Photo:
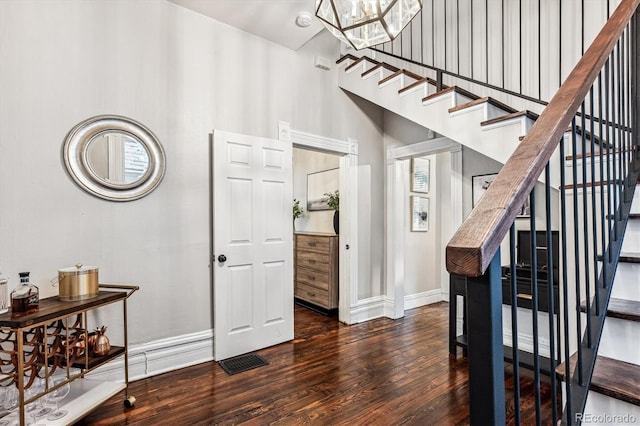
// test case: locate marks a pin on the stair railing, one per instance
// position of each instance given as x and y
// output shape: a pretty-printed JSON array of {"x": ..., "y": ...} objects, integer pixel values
[{"x": 593, "y": 122}]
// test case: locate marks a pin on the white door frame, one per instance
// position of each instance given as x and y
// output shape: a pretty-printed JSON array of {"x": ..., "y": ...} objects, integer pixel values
[
  {"x": 348, "y": 253},
  {"x": 397, "y": 219}
]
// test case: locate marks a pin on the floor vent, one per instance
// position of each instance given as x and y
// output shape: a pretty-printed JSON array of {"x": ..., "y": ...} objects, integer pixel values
[{"x": 242, "y": 363}]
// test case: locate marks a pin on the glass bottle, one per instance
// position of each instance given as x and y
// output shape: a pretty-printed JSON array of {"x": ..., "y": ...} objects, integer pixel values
[{"x": 25, "y": 299}]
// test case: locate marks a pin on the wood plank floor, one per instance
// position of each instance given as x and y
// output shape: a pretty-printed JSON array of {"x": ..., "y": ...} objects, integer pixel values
[{"x": 382, "y": 372}]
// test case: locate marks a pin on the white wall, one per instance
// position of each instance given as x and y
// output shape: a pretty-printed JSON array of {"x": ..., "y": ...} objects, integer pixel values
[
  {"x": 422, "y": 249},
  {"x": 305, "y": 162},
  {"x": 182, "y": 75}
]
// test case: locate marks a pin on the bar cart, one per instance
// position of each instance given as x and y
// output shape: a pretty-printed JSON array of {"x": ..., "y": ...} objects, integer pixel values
[{"x": 43, "y": 352}]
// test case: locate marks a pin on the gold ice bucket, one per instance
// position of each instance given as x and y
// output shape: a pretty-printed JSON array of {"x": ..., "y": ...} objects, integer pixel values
[{"x": 78, "y": 282}]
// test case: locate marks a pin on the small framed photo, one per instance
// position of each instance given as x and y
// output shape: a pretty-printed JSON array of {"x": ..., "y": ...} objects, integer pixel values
[
  {"x": 419, "y": 214},
  {"x": 479, "y": 186},
  {"x": 420, "y": 175}
]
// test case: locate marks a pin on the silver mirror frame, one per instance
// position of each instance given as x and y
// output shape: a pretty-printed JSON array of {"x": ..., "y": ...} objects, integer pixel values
[{"x": 75, "y": 156}]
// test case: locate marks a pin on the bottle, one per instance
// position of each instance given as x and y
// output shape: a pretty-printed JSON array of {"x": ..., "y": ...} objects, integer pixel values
[{"x": 25, "y": 299}]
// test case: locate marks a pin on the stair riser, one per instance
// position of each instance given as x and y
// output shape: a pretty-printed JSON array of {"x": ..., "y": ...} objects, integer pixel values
[
  {"x": 586, "y": 165},
  {"x": 627, "y": 282},
  {"x": 601, "y": 405},
  {"x": 631, "y": 242},
  {"x": 620, "y": 340}
]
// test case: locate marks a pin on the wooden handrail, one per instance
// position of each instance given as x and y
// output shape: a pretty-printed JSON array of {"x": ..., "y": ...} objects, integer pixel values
[{"x": 476, "y": 242}]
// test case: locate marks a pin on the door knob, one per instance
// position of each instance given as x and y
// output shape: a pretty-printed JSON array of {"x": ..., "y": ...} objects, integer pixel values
[{"x": 222, "y": 258}]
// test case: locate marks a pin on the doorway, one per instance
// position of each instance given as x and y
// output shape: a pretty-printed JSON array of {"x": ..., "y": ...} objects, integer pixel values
[{"x": 347, "y": 154}]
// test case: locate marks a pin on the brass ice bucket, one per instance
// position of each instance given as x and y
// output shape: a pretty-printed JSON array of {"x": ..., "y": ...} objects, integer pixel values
[{"x": 78, "y": 282}]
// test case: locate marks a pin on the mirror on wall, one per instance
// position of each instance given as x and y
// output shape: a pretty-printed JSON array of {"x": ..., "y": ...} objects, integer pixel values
[{"x": 114, "y": 157}]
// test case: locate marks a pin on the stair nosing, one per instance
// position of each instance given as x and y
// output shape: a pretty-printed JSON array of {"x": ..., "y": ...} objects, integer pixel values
[
  {"x": 345, "y": 57},
  {"x": 524, "y": 113}
]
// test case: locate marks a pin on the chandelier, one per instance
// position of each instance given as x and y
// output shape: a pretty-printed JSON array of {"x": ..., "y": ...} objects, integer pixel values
[{"x": 364, "y": 23}]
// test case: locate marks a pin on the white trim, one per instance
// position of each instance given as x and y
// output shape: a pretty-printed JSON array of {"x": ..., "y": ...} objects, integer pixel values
[
  {"x": 525, "y": 342},
  {"x": 160, "y": 356},
  {"x": 368, "y": 309},
  {"x": 348, "y": 274},
  {"x": 421, "y": 299},
  {"x": 396, "y": 217}
]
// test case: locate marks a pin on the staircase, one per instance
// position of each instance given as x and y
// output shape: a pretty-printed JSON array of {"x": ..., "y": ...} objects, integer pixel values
[
  {"x": 494, "y": 129},
  {"x": 615, "y": 386}
]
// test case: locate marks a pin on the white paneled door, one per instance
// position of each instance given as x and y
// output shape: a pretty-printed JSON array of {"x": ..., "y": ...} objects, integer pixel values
[{"x": 252, "y": 243}]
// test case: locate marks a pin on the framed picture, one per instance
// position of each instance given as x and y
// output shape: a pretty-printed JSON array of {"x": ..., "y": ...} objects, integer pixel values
[
  {"x": 318, "y": 184},
  {"x": 479, "y": 185},
  {"x": 525, "y": 210},
  {"x": 419, "y": 214},
  {"x": 420, "y": 175}
]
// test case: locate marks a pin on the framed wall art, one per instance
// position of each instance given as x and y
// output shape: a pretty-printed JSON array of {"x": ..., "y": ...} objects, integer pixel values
[
  {"x": 419, "y": 214},
  {"x": 420, "y": 175},
  {"x": 318, "y": 184},
  {"x": 479, "y": 185}
]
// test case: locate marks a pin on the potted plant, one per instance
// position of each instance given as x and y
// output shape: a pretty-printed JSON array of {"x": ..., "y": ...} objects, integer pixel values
[
  {"x": 334, "y": 204},
  {"x": 297, "y": 212}
]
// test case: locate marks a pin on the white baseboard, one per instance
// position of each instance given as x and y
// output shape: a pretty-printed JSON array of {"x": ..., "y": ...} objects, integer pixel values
[
  {"x": 368, "y": 309},
  {"x": 421, "y": 299},
  {"x": 160, "y": 356}
]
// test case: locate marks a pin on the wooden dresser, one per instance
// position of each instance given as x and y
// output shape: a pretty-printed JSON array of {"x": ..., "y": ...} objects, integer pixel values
[{"x": 316, "y": 271}]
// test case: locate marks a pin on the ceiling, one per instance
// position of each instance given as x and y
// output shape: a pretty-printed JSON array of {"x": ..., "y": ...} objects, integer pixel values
[{"x": 274, "y": 20}]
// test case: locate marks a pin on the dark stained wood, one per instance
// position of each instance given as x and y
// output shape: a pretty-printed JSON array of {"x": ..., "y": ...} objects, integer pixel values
[
  {"x": 588, "y": 184},
  {"x": 399, "y": 72},
  {"x": 456, "y": 89},
  {"x": 53, "y": 307},
  {"x": 475, "y": 243},
  {"x": 630, "y": 257},
  {"x": 617, "y": 379},
  {"x": 620, "y": 308},
  {"x": 488, "y": 100},
  {"x": 359, "y": 61},
  {"x": 345, "y": 57},
  {"x": 377, "y": 67},
  {"x": 423, "y": 80},
  {"x": 381, "y": 372},
  {"x": 526, "y": 113}
]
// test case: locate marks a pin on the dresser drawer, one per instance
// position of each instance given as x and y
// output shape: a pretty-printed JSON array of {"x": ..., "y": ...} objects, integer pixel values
[
  {"x": 313, "y": 278},
  {"x": 312, "y": 294},
  {"x": 311, "y": 260},
  {"x": 309, "y": 242}
]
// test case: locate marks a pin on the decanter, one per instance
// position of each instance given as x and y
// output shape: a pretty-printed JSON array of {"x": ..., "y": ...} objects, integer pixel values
[{"x": 25, "y": 299}]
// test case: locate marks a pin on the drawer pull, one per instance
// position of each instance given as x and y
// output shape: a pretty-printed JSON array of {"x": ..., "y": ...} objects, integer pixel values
[
  {"x": 312, "y": 261},
  {"x": 311, "y": 277},
  {"x": 312, "y": 244},
  {"x": 311, "y": 294},
  {"x": 525, "y": 296}
]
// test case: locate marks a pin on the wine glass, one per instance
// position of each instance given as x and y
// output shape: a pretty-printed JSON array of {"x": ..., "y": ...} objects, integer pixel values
[
  {"x": 43, "y": 410},
  {"x": 58, "y": 395}
]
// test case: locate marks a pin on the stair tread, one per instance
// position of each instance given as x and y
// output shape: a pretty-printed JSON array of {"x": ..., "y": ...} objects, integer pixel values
[
  {"x": 378, "y": 66},
  {"x": 627, "y": 257},
  {"x": 620, "y": 308},
  {"x": 488, "y": 100},
  {"x": 399, "y": 72},
  {"x": 345, "y": 57},
  {"x": 588, "y": 184},
  {"x": 359, "y": 61},
  {"x": 451, "y": 89},
  {"x": 525, "y": 113},
  {"x": 423, "y": 80},
  {"x": 597, "y": 153},
  {"x": 611, "y": 377}
]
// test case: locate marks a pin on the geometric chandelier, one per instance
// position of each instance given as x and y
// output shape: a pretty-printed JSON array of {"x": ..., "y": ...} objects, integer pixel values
[{"x": 364, "y": 23}]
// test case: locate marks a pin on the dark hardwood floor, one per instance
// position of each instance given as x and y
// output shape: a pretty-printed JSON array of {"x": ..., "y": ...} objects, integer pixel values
[{"x": 381, "y": 372}]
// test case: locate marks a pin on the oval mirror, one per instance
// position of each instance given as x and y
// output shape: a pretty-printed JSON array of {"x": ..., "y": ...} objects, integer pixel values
[{"x": 113, "y": 157}]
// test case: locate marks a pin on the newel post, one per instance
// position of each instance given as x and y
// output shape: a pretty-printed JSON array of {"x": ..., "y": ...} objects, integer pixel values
[{"x": 486, "y": 353}]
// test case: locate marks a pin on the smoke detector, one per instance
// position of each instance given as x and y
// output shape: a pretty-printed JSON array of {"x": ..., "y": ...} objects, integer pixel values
[{"x": 304, "y": 19}]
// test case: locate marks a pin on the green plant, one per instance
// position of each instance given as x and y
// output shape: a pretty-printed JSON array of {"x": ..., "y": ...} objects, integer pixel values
[
  {"x": 297, "y": 210},
  {"x": 334, "y": 200}
]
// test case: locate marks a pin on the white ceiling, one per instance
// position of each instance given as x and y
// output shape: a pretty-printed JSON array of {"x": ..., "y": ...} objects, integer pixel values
[{"x": 273, "y": 20}]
